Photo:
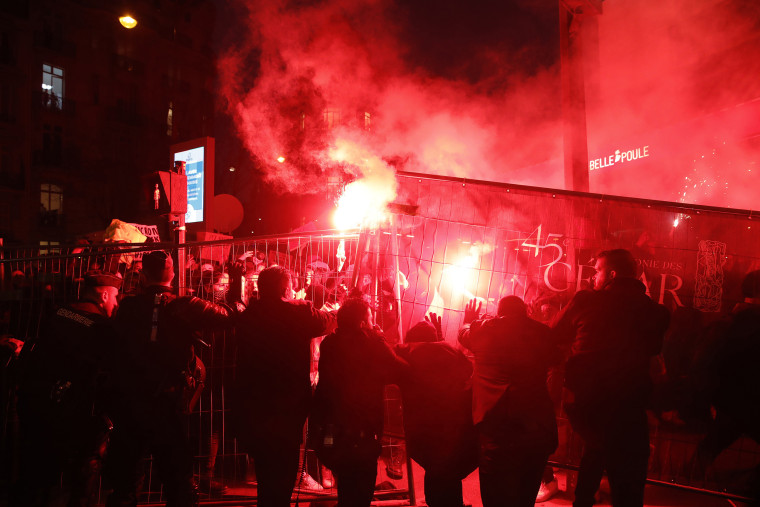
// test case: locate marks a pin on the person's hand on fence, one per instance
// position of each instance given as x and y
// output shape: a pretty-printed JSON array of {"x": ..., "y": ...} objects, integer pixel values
[
  {"x": 472, "y": 310},
  {"x": 436, "y": 321}
]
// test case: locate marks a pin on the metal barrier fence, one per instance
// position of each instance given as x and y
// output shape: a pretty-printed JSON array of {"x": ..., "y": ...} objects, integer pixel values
[
  {"x": 461, "y": 239},
  {"x": 35, "y": 281},
  {"x": 415, "y": 265}
]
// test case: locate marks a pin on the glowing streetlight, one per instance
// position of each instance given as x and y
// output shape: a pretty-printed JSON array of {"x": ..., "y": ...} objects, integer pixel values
[
  {"x": 281, "y": 159},
  {"x": 128, "y": 21}
]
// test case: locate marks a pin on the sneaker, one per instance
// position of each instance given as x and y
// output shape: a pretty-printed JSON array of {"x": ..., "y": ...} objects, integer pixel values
[
  {"x": 308, "y": 483},
  {"x": 547, "y": 491},
  {"x": 393, "y": 467},
  {"x": 212, "y": 487}
]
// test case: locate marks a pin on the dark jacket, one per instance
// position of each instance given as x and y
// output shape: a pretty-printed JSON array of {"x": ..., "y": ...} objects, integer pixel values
[
  {"x": 63, "y": 371},
  {"x": 155, "y": 351},
  {"x": 438, "y": 408},
  {"x": 354, "y": 368},
  {"x": 272, "y": 388},
  {"x": 612, "y": 334},
  {"x": 738, "y": 392},
  {"x": 512, "y": 356}
]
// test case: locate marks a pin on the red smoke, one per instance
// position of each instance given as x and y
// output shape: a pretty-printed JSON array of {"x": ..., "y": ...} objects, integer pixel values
[
  {"x": 679, "y": 77},
  {"x": 668, "y": 75},
  {"x": 348, "y": 56}
]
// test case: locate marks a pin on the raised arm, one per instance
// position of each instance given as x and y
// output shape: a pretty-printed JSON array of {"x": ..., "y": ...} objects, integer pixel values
[
  {"x": 471, "y": 314},
  {"x": 435, "y": 319}
]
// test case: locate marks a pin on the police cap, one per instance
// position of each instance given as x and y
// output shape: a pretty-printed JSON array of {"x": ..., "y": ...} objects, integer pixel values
[{"x": 98, "y": 278}]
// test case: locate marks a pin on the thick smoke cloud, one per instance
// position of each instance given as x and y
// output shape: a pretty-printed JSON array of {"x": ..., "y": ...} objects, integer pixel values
[
  {"x": 675, "y": 76},
  {"x": 323, "y": 65},
  {"x": 665, "y": 75}
]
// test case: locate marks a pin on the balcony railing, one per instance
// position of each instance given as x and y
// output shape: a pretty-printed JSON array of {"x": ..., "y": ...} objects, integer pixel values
[
  {"x": 47, "y": 101},
  {"x": 52, "y": 218}
]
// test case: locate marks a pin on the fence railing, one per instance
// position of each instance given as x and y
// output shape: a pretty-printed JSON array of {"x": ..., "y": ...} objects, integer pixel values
[
  {"x": 34, "y": 281},
  {"x": 397, "y": 278}
]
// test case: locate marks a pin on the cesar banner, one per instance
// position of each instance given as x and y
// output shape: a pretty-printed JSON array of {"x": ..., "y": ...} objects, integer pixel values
[
  {"x": 460, "y": 240},
  {"x": 478, "y": 239}
]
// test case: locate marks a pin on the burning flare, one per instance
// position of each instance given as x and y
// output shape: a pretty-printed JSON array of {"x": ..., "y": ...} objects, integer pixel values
[
  {"x": 460, "y": 277},
  {"x": 462, "y": 274},
  {"x": 364, "y": 201}
]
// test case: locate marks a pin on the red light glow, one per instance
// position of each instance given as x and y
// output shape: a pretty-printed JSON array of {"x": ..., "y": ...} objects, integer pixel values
[
  {"x": 364, "y": 201},
  {"x": 360, "y": 203}
]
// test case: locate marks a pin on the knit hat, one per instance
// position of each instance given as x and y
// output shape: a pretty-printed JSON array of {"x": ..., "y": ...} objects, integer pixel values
[
  {"x": 422, "y": 332},
  {"x": 158, "y": 267}
]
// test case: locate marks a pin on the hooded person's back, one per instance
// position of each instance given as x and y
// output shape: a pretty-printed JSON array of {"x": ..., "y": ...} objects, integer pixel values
[{"x": 438, "y": 405}]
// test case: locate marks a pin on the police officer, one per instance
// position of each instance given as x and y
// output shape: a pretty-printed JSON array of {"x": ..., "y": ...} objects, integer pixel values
[
  {"x": 154, "y": 361},
  {"x": 63, "y": 423}
]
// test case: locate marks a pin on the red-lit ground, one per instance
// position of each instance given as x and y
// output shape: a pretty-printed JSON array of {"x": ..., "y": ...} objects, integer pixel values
[{"x": 655, "y": 496}]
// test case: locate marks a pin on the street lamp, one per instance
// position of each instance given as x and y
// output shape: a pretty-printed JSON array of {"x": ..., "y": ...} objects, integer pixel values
[{"x": 128, "y": 21}]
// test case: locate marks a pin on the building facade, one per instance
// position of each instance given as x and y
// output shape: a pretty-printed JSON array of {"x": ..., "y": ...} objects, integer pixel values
[{"x": 89, "y": 109}]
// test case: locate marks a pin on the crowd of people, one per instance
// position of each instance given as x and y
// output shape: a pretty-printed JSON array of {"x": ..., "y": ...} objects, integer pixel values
[{"x": 113, "y": 376}]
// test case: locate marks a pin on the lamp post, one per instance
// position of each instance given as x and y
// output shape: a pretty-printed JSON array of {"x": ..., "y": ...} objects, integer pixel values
[
  {"x": 572, "y": 15},
  {"x": 577, "y": 18},
  {"x": 127, "y": 21}
]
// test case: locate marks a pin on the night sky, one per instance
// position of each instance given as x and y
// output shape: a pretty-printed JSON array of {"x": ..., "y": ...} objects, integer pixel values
[{"x": 455, "y": 39}]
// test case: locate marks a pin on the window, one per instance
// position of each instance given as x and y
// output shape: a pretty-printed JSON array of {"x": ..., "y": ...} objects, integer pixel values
[
  {"x": 52, "y": 142},
  {"x": 51, "y": 198},
  {"x": 170, "y": 120},
  {"x": 51, "y": 202},
  {"x": 49, "y": 247},
  {"x": 52, "y": 86},
  {"x": 331, "y": 118}
]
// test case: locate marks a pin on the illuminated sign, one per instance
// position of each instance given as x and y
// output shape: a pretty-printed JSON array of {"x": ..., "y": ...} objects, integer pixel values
[
  {"x": 618, "y": 157},
  {"x": 194, "y": 159}
]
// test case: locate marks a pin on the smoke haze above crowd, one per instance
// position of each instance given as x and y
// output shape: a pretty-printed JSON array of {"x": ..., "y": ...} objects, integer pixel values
[{"x": 474, "y": 91}]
